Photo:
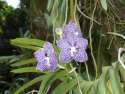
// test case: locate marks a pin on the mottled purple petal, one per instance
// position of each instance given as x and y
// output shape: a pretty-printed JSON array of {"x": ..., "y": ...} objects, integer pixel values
[
  {"x": 39, "y": 54},
  {"x": 63, "y": 44},
  {"x": 53, "y": 61},
  {"x": 71, "y": 40},
  {"x": 42, "y": 67},
  {"x": 48, "y": 47},
  {"x": 81, "y": 56},
  {"x": 65, "y": 56},
  {"x": 81, "y": 43},
  {"x": 71, "y": 29}
]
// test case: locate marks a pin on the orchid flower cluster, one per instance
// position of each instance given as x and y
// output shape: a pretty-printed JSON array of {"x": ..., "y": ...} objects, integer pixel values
[{"x": 72, "y": 47}]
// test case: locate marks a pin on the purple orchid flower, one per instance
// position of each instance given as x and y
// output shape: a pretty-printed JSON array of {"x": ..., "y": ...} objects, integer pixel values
[
  {"x": 73, "y": 48},
  {"x": 46, "y": 58},
  {"x": 71, "y": 29}
]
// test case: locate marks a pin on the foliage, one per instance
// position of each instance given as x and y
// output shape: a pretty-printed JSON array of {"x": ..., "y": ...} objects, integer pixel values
[
  {"x": 100, "y": 75},
  {"x": 13, "y": 24},
  {"x": 108, "y": 82}
]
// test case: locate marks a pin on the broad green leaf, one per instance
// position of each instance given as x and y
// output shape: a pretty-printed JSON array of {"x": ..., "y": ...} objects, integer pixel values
[
  {"x": 85, "y": 87},
  {"x": 64, "y": 87},
  {"x": 115, "y": 83},
  {"x": 104, "y": 4},
  {"x": 94, "y": 88},
  {"x": 102, "y": 86},
  {"x": 25, "y": 70},
  {"x": 24, "y": 62},
  {"x": 122, "y": 71}
]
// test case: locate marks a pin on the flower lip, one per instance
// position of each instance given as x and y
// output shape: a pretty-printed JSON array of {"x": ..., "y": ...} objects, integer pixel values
[
  {"x": 47, "y": 61},
  {"x": 73, "y": 50}
]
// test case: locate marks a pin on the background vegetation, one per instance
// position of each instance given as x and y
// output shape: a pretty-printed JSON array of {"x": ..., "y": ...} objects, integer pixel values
[{"x": 35, "y": 22}]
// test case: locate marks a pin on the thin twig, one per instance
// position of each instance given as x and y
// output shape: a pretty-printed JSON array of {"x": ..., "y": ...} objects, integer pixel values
[
  {"x": 87, "y": 16},
  {"x": 90, "y": 37},
  {"x": 117, "y": 34}
]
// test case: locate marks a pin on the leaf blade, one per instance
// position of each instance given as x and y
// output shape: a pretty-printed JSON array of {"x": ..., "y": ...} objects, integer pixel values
[{"x": 104, "y": 4}]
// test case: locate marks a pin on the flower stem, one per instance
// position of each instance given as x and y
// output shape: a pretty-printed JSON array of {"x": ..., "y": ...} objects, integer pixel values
[
  {"x": 76, "y": 75},
  {"x": 87, "y": 71}
]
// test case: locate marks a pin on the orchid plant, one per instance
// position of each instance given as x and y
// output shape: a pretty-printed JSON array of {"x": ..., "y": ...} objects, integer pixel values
[
  {"x": 71, "y": 64},
  {"x": 72, "y": 47}
]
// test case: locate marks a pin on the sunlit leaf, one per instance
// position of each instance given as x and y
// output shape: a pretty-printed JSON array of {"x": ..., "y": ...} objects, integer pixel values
[
  {"x": 104, "y": 4},
  {"x": 33, "y": 44},
  {"x": 25, "y": 70},
  {"x": 115, "y": 83}
]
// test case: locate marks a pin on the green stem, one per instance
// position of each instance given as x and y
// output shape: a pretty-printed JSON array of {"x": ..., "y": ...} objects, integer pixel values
[
  {"x": 87, "y": 71},
  {"x": 66, "y": 13},
  {"x": 76, "y": 75},
  {"x": 71, "y": 10}
]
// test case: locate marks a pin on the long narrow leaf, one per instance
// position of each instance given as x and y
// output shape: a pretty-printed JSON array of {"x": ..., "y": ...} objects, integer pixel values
[
  {"x": 28, "y": 84},
  {"x": 64, "y": 87},
  {"x": 24, "y": 70},
  {"x": 49, "y": 80},
  {"x": 115, "y": 83},
  {"x": 33, "y": 44},
  {"x": 24, "y": 62},
  {"x": 103, "y": 89}
]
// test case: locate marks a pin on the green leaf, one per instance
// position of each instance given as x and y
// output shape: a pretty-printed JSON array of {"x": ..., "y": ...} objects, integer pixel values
[
  {"x": 102, "y": 86},
  {"x": 33, "y": 44},
  {"x": 45, "y": 84},
  {"x": 7, "y": 58},
  {"x": 122, "y": 71},
  {"x": 64, "y": 87},
  {"x": 24, "y": 62},
  {"x": 25, "y": 70},
  {"x": 86, "y": 86},
  {"x": 28, "y": 84},
  {"x": 104, "y": 4},
  {"x": 50, "y": 5},
  {"x": 28, "y": 47},
  {"x": 115, "y": 83},
  {"x": 49, "y": 80}
]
